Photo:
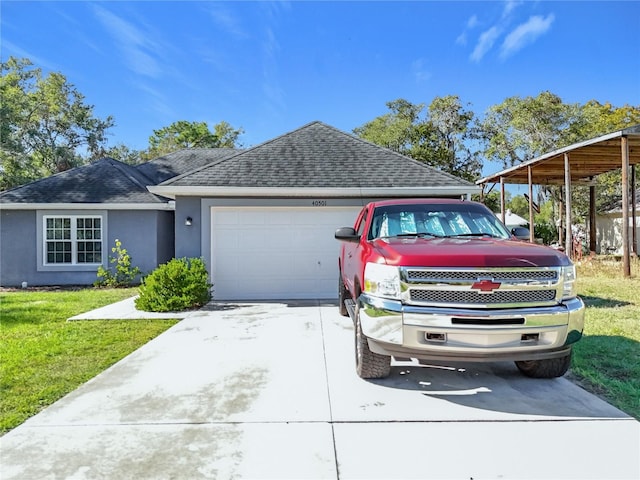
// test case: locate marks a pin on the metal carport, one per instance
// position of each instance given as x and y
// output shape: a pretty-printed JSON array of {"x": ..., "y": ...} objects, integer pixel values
[{"x": 580, "y": 163}]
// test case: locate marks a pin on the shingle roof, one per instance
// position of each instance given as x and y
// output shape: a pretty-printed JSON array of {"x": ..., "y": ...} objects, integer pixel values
[
  {"x": 317, "y": 155},
  {"x": 182, "y": 161},
  {"x": 104, "y": 181}
]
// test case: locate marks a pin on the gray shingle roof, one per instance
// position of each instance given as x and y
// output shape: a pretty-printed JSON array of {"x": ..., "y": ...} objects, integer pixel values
[
  {"x": 104, "y": 181},
  {"x": 182, "y": 161},
  {"x": 317, "y": 155}
]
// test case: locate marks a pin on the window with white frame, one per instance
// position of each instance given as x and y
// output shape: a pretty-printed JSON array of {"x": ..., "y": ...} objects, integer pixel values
[{"x": 72, "y": 240}]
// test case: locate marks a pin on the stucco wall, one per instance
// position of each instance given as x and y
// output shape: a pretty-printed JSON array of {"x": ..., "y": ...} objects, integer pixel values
[
  {"x": 165, "y": 237},
  {"x": 137, "y": 230},
  {"x": 147, "y": 236},
  {"x": 18, "y": 245},
  {"x": 188, "y": 237}
]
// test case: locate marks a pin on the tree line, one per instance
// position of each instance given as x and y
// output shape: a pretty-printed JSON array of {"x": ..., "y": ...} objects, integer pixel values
[{"x": 47, "y": 127}]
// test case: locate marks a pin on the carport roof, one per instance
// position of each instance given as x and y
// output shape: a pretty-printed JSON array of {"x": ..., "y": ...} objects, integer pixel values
[
  {"x": 316, "y": 158},
  {"x": 588, "y": 159}
]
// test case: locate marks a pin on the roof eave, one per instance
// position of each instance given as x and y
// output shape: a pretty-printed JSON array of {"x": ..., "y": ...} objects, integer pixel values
[
  {"x": 306, "y": 192},
  {"x": 170, "y": 205}
]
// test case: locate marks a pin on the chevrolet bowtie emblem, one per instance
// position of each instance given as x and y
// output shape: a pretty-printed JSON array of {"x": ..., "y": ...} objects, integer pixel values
[{"x": 485, "y": 286}]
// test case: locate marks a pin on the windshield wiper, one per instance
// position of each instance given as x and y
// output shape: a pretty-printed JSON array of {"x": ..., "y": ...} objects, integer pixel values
[
  {"x": 414, "y": 235},
  {"x": 479, "y": 234}
]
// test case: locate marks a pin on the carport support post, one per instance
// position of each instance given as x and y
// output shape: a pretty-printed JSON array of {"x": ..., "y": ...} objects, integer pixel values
[
  {"x": 532, "y": 234},
  {"x": 567, "y": 206},
  {"x": 592, "y": 220},
  {"x": 503, "y": 214},
  {"x": 626, "y": 264},
  {"x": 560, "y": 212},
  {"x": 634, "y": 213}
]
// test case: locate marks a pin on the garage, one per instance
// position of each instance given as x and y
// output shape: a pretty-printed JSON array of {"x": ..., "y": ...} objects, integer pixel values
[{"x": 276, "y": 252}]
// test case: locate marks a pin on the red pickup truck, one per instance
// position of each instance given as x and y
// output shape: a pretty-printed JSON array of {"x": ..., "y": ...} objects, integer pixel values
[{"x": 438, "y": 279}]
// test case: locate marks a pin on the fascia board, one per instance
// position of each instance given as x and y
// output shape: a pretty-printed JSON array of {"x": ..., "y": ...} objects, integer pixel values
[
  {"x": 177, "y": 191},
  {"x": 88, "y": 206}
]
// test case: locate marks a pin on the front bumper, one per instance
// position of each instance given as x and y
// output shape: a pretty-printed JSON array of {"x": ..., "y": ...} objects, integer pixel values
[{"x": 532, "y": 333}]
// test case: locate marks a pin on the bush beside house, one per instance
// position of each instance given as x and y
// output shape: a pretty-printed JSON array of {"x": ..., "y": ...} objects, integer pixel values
[{"x": 179, "y": 284}]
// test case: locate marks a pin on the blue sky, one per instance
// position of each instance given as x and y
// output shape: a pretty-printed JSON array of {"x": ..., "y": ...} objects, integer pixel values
[{"x": 271, "y": 67}]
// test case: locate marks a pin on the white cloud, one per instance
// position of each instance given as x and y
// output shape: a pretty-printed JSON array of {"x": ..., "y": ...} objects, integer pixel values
[
  {"x": 525, "y": 34},
  {"x": 11, "y": 49},
  {"x": 420, "y": 71},
  {"x": 509, "y": 7},
  {"x": 136, "y": 46},
  {"x": 157, "y": 102},
  {"x": 485, "y": 42},
  {"x": 273, "y": 93},
  {"x": 472, "y": 22},
  {"x": 226, "y": 21}
]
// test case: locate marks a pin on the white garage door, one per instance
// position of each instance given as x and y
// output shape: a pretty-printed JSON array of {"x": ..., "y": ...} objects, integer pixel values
[{"x": 276, "y": 252}]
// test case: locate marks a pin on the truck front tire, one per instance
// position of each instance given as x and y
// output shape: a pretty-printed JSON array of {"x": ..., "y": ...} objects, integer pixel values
[
  {"x": 548, "y": 368},
  {"x": 368, "y": 363}
]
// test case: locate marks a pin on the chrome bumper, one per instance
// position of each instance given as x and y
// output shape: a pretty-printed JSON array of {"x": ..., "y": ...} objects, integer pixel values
[{"x": 468, "y": 334}]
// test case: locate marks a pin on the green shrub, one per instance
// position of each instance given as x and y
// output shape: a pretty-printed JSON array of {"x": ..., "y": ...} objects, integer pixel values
[
  {"x": 123, "y": 274},
  {"x": 180, "y": 284},
  {"x": 546, "y": 231}
]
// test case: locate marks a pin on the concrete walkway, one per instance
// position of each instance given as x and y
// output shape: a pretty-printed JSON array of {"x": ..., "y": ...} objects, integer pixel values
[
  {"x": 268, "y": 391},
  {"x": 125, "y": 310}
]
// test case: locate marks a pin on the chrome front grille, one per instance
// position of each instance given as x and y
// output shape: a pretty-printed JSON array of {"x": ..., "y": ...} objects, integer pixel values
[
  {"x": 482, "y": 287},
  {"x": 472, "y": 275},
  {"x": 474, "y": 298}
]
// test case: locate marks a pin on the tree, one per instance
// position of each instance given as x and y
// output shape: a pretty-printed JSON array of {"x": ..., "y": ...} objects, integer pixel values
[
  {"x": 395, "y": 130},
  {"x": 438, "y": 137},
  {"x": 598, "y": 119},
  {"x": 45, "y": 125},
  {"x": 520, "y": 129},
  {"x": 454, "y": 126},
  {"x": 184, "y": 134},
  {"x": 492, "y": 199},
  {"x": 519, "y": 205},
  {"x": 124, "y": 154}
]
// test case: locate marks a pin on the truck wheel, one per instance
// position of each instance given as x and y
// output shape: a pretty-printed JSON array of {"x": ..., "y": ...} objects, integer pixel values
[
  {"x": 548, "y": 368},
  {"x": 343, "y": 294},
  {"x": 368, "y": 363}
]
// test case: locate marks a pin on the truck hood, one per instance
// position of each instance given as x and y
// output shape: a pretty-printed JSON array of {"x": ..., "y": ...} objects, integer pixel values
[{"x": 467, "y": 252}]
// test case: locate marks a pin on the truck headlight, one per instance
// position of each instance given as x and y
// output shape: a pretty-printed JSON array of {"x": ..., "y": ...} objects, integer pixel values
[
  {"x": 569, "y": 289},
  {"x": 382, "y": 280}
]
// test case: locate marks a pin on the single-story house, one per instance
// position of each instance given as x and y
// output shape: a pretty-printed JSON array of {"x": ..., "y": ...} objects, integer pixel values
[{"x": 262, "y": 218}]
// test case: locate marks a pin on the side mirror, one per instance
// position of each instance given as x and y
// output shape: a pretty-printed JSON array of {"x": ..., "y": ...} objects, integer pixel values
[
  {"x": 347, "y": 234},
  {"x": 520, "y": 233}
]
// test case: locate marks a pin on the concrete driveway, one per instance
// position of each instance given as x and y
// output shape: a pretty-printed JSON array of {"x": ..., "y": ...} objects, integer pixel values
[{"x": 268, "y": 391}]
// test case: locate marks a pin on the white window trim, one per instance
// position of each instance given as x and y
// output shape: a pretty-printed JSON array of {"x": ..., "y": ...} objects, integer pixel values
[{"x": 42, "y": 217}]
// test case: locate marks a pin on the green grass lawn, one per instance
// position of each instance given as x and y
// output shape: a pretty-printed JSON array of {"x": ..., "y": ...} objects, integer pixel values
[
  {"x": 43, "y": 357},
  {"x": 607, "y": 359}
]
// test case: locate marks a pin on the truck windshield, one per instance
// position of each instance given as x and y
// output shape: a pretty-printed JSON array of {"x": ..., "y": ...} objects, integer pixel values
[{"x": 436, "y": 220}]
